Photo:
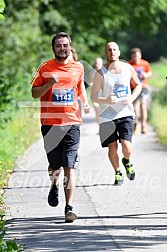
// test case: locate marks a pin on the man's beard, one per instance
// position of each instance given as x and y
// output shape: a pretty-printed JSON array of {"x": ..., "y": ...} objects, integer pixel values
[{"x": 60, "y": 58}]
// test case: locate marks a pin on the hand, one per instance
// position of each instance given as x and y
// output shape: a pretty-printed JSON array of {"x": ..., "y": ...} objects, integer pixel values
[
  {"x": 111, "y": 99},
  {"x": 127, "y": 101},
  {"x": 54, "y": 79},
  {"x": 86, "y": 108},
  {"x": 144, "y": 74}
]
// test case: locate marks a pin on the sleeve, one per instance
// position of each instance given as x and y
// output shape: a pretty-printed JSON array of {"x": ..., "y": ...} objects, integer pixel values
[
  {"x": 81, "y": 86},
  {"x": 38, "y": 79},
  {"x": 148, "y": 67}
]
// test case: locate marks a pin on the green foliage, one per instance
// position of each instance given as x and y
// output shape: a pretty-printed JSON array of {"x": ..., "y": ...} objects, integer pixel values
[
  {"x": 159, "y": 121},
  {"x": 17, "y": 49},
  {"x": 5, "y": 170},
  {"x": 161, "y": 96},
  {"x": 2, "y": 7},
  {"x": 93, "y": 23},
  {"x": 51, "y": 21},
  {"x": 9, "y": 246},
  {"x": 15, "y": 136},
  {"x": 107, "y": 16},
  {"x": 153, "y": 46},
  {"x": 158, "y": 108},
  {"x": 158, "y": 79}
]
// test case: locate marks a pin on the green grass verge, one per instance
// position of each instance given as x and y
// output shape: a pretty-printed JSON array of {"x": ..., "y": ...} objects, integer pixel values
[
  {"x": 158, "y": 120},
  {"x": 159, "y": 73},
  {"x": 16, "y": 136},
  {"x": 158, "y": 108}
]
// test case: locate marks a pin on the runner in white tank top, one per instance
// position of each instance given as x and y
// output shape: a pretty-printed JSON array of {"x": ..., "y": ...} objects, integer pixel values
[{"x": 116, "y": 114}]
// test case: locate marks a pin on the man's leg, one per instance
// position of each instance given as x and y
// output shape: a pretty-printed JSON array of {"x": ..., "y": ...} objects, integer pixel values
[
  {"x": 69, "y": 184},
  {"x": 143, "y": 108},
  {"x": 52, "y": 137},
  {"x": 126, "y": 148},
  {"x": 114, "y": 159},
  {"x": 54, "y": 175},
  {"x": 108, "y": 138},
  {"x": 53, "y": 195},
  {"x": 136, "y": 106},
  {"x": 69, "y": 156},
  {"x": 127, "y": 151},
  {"x": 113, "y": 155},
  {"x": 69, "y": 189},
  {"x": 125, "y": 127}
]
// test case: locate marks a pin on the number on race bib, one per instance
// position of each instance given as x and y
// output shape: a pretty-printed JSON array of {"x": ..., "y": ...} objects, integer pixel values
[
  {"x": 120, "y": 92},
  {"x": 63, "y": 97}
]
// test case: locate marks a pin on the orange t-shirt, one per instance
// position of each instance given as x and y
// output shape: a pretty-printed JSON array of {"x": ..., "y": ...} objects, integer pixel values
[
  {"x": 59, "y": 105},
  {"x": 144, "y": 66}
]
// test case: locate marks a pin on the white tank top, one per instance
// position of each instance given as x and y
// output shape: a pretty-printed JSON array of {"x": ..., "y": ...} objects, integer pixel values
[{"x": 119, "y": 84}]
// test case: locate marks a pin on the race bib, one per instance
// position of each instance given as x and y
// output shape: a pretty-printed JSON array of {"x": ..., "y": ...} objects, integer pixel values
[
  {"x": 120, "y": 92},
  {"x": 63, "y": 97}
]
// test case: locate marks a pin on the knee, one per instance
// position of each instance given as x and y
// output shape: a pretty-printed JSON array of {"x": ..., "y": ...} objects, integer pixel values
[
  {"x": 53, "y": 173},
  {"x": 126, "y": 146},
  {"x": 69, "y": 172},
  {"x": 113, "y": 147}
]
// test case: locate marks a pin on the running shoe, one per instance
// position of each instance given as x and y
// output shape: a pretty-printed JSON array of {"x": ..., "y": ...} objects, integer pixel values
[
  {"x": 118, "y": 178},
  {"x": 130, "y": 172},
  {"x": 143, "y": 130},
  {"x": 53, "y": 195},
  {"x": 135, "y": 129},
  {"x": 70, "y": 216}
]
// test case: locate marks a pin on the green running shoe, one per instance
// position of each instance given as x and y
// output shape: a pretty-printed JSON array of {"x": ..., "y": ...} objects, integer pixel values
[
  {"x": 118, "y": 179},
  {"x": 130, "y": 172}
]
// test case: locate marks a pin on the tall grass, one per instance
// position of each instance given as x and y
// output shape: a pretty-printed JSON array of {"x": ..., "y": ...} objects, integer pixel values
[{"x": 158, "y": 108}]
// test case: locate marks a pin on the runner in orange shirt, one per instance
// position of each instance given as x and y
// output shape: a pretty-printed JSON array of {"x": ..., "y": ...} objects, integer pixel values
[
  {"x": 58, "y": 83},
  {"x": 144, "y": 71}
]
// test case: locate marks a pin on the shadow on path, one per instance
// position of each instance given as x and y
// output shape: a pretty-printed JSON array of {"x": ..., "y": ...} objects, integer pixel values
[{"x": 86, "y": 236}]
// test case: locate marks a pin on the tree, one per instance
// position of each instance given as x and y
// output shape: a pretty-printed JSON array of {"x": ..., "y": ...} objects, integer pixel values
[
  {"x": 28, "y": 27},
  {"x": 92, "y": 23},
  {"x": 19, "y": 43}
]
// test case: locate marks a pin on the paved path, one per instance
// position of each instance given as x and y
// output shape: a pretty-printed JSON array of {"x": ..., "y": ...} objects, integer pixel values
[{"x": 129, "y": 218}]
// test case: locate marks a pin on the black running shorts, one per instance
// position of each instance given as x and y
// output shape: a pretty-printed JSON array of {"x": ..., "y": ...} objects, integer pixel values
[
  {"x": 117, "y": 129},
  {"x": 61, "y": 145}
]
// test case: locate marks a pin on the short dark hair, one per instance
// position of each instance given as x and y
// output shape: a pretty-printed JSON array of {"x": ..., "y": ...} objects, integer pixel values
[
  {"x": 60, "y": 35},
  {"x": 135, "y": 49}
]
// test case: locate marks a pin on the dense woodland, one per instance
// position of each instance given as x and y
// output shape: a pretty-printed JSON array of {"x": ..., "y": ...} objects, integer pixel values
[{"x": 27, "y": 28}]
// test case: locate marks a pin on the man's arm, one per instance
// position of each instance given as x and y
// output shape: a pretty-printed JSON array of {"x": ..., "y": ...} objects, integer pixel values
[
  {"x": 136, "y": 83},
  {"x": 147, "y": 71},
  {"x": 96, "y": 87},
  {"x": 98, "y": 84},
  {"x": 147, "y": 74},
  {"x": 39, "y": 91},
  {"x": 83, "y": 97}
]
